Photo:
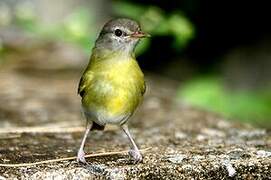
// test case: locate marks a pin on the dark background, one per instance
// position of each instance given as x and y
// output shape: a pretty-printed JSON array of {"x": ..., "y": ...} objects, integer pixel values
[{"x": 220, "y": 25}]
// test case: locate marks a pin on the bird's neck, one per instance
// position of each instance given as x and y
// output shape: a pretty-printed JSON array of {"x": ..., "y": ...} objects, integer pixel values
[{"x": 104, "y": 54}]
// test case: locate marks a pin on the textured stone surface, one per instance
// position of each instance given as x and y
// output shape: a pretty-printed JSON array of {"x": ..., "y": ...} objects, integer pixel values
[{"x": 185, "y": 142}]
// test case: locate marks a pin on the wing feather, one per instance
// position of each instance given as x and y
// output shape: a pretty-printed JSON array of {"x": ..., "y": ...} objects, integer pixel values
[
  {"x": 143, "y": 90},
  {"x": 85, "y": 81}
]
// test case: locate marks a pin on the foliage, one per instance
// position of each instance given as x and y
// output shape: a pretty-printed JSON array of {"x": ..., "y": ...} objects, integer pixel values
[
  {"x": 156, "y": 22},
  {"x": 209, "y": 93},
  {"x": 77, "y": 27}
]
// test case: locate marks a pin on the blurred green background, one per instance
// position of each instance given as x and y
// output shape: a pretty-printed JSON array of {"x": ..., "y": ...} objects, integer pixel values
[{"x": 219, "y": 52}]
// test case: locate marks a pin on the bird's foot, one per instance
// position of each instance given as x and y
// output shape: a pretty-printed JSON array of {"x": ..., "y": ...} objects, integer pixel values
[
  {"x": 135, "y": 154},
  {"x": 81, "y": 157}
]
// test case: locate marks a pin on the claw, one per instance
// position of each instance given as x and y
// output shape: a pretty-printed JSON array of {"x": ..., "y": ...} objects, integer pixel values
[
  {"x": 137, "y": 157},
  {"x": 81, "y": 157}
]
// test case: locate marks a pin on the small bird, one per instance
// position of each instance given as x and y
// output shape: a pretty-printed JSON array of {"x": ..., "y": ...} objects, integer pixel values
[{"x": 113, "y": 85}]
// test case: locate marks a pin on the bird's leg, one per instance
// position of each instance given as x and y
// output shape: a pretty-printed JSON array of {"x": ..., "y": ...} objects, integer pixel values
[
  {"x": 134, "y": 152},
  {"x": 81, "y": 154}
]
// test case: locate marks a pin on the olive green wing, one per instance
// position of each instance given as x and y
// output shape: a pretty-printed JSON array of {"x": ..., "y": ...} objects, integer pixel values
[
  {"x": 85, "y": 82},
  {"x": 143, "y": 90}
]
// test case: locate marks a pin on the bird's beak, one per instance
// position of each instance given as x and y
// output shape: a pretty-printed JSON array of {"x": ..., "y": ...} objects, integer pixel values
[{"x": 140, "y": 34}]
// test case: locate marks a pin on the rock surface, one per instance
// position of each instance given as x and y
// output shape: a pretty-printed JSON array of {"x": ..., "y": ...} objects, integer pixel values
[{"x": 40, "y": 120}]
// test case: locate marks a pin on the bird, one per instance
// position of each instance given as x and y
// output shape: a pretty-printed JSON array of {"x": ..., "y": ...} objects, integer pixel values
[{"x": 112, "y": 85}]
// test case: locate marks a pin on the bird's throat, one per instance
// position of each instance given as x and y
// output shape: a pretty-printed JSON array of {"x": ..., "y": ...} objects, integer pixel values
[{"x": 101, "y": 54}]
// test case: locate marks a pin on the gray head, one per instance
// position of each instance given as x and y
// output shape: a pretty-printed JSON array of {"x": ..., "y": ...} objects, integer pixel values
[{"x": 120, "y": 35}]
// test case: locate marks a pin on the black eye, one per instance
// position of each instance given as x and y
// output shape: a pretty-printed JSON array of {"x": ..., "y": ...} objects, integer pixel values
[{"x": 118, "y": 32}]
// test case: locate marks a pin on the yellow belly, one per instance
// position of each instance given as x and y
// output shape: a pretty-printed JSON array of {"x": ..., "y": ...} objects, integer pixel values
[
  {"x": 120, "y": 103},
  {"x": 115, "y": 90}
]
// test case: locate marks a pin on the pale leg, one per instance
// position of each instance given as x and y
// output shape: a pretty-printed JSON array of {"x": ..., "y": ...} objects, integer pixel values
[
  {"x": 81, "y": 154},
  {"x": 134, "y": 152}
]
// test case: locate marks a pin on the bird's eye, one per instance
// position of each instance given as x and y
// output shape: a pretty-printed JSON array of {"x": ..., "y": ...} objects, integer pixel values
[{"x": 118, "y": 32}]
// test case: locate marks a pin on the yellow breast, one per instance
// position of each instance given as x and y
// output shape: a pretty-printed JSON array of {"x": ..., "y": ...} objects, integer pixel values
[{"x": 115, "y": 88}]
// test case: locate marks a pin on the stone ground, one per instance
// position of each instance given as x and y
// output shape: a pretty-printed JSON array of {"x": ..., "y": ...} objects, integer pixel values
[{"x": 40, "y": 120}]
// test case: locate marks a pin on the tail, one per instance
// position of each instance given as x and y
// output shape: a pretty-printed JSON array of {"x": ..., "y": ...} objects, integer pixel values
[{"x": 96, "y": 126}]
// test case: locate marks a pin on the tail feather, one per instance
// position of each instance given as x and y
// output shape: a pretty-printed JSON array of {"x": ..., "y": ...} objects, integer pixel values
[{"x": 96, "y": 126}]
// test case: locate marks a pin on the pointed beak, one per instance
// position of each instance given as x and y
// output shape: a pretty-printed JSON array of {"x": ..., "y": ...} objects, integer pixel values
[{"x": 140, "y": 34}]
